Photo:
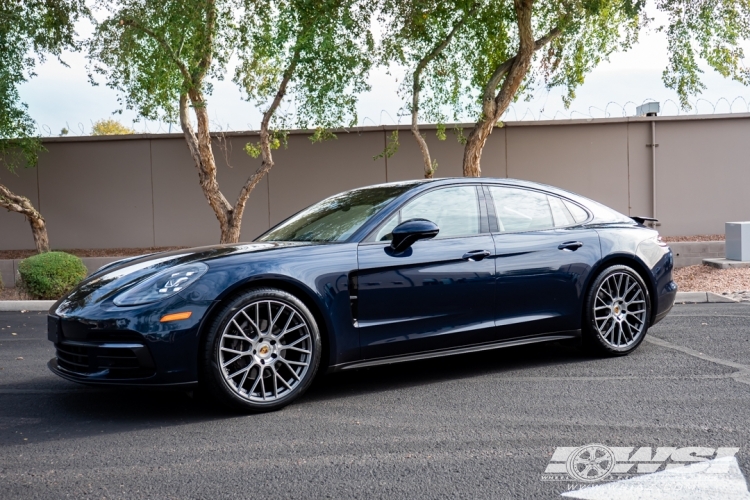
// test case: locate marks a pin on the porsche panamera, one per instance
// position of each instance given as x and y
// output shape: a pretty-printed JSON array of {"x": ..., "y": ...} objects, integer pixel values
[{"x": 376, "y": 275}]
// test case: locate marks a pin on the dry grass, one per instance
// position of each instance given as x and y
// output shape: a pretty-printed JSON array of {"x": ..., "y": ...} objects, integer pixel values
[
  {"x": 13, "y": 294},
  {"x": 702, "y": 278}
]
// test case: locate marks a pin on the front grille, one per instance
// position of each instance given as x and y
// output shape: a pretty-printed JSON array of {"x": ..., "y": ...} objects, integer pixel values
[{"x": 109, "y": 361}]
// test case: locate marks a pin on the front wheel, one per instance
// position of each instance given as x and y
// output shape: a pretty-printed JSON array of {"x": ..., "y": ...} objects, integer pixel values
[
  {"x": 618, "y": 308},
  {"x": 262, "y": 351}
]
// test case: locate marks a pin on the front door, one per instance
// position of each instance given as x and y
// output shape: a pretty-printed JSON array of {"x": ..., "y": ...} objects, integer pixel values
[{"x": 437, "y": 294}]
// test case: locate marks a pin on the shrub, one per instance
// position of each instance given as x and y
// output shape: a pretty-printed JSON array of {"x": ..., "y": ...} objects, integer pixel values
[
  {"x": 110, "y": 127},
  {"x": 50, "y": 275}
]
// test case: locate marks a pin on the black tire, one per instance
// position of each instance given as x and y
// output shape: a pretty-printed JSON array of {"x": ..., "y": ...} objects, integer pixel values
[
  {"x": 616, "y": 324},
  {"x": 272, "y": 357}
]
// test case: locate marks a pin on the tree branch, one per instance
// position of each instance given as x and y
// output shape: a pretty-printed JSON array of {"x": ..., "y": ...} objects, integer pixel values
[
  {"x": 429, "y": 168},
  {"x": 502, "y": 70},
  {"x": 205, "y": 61},
  {"x": 265, "y": 139},
  {"x": 161, "y": 41}
]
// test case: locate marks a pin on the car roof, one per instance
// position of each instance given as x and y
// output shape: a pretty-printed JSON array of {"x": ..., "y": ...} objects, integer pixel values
[{"x": 507, "y": 181}]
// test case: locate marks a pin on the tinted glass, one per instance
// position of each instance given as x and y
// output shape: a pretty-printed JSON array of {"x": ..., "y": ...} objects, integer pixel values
[
  {"x": 336, "y": 218},
  {"x": 455, "y": 210},
  {"x": 560, "y": 214},
  {"x": 521, "y": 209},
  {"x": 579, "y": 214}
]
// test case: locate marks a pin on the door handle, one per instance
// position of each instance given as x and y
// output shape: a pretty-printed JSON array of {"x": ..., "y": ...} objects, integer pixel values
[
  {"x": 476, "y": 255},
  {"x": 570, "y": 245}
]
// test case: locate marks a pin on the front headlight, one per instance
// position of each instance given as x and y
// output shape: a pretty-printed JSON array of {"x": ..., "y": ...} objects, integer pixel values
[{"x": 162, "y": 285}]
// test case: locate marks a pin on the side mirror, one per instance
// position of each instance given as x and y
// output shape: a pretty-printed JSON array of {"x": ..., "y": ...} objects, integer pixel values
[{"x": 410, "y": 231}]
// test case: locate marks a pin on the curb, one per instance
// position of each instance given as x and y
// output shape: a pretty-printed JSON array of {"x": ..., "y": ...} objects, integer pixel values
[
  {"x": 25, "y": 305},
  {"x": 702, "y": 298}
]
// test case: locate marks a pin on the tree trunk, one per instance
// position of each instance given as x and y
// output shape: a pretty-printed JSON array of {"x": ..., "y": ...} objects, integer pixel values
[
  {"x": 429, "y": 164},
  {"x": 265, "y": 146},
  {"x": 512, "y": 73},
  {"x": 22, "y": 205},
  {"x": 200, "y": 149},
  {"x": 475, "y": 145}
]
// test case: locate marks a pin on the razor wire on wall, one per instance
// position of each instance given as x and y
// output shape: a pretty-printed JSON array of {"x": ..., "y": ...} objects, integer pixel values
[{"x": 612, "y": 109}]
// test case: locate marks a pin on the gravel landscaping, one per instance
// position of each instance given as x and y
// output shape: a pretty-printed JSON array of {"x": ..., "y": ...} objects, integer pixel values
[
  {"x": 700, "y": 237},
  {"x": 734, "y": 283}
]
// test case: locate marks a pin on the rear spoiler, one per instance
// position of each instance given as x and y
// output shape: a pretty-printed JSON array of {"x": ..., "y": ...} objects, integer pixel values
[{"x": 641, "y": 220}]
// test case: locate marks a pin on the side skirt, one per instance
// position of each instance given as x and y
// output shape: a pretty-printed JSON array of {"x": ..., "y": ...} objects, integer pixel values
[{"x": 571, "y": 334}]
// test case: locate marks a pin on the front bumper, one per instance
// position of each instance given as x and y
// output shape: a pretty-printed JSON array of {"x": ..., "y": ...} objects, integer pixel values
[{"x": 132, "y": 348}]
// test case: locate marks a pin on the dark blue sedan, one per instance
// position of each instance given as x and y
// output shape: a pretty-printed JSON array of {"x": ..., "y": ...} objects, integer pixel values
[{"x": 377, "y": 275}]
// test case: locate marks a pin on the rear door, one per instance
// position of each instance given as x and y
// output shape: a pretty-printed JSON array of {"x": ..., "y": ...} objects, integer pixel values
[
  {"x": 544, "y": 256},
  {"x": 437, "y": 294}
]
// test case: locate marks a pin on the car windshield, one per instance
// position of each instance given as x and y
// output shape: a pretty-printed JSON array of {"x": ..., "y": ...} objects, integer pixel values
[{"x": 336, "y": 218}]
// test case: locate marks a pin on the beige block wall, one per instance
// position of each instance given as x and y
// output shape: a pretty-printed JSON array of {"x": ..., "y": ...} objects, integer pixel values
[
  {"x": 142, "y": 191},
  {"x": 703, "y": 175},
  {"x": 588, "y": 160}
]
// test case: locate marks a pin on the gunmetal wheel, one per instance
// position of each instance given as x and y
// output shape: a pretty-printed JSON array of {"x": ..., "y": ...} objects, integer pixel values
[
  {"x": 263, "y": 351},
  {"x": 617, "y": 311}
]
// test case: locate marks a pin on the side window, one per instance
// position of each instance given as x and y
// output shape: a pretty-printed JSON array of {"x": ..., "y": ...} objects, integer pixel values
[
  {"x": 560, "y": 214},
  {"x": 385, "y": 232},
  {"x": 521, "y": 209},
  {"x": 455, "y": 210},
  {"x": 579, "y": 214}
]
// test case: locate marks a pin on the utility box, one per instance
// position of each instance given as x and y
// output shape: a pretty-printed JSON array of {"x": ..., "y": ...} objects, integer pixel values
[{"x": 738, "y": 240}]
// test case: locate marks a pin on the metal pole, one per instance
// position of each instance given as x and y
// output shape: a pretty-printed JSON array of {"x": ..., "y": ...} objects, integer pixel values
[{"x": 653, "y": 166}]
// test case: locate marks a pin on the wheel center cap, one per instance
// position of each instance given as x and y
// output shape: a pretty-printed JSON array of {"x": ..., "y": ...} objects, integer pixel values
[{"x": 264, "y": 351}]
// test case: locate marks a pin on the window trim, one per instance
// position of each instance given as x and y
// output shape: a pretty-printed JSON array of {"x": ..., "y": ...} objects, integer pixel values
[
  {"x": 484, "y": 228},
  {"x": 491, "y": 203}
]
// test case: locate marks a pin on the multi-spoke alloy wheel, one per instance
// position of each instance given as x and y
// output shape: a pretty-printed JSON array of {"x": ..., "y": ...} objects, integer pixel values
[
  {"x": 618, "y": 310},
  {"x": 266, "y": 348}
]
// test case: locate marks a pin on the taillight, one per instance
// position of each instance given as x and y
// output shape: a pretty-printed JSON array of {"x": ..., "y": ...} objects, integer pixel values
[{"x": 661, "y": 242}]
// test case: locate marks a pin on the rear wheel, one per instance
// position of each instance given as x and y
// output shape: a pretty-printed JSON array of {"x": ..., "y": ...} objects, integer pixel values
[
  {"x": 262, "y": 351},
  {"x": 618, "y": 308}
]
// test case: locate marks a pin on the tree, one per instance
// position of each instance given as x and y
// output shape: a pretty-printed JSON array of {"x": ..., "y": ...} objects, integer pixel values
[
  {"x": 416, "y": 35},
  {"x": 110, "y": 127},
  {"x": 159, "y": 55},
  {"x": 318, "y": 51},
  {"x": 506, "y": 49},
  {"x": 29, "y": 31}
]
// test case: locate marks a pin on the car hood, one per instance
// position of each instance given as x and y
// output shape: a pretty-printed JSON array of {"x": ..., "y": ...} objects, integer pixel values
[{"x": 113, "y": 278}]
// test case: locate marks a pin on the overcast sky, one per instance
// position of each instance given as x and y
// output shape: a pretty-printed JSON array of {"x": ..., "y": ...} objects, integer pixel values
[{"x": 61, "y": 96}]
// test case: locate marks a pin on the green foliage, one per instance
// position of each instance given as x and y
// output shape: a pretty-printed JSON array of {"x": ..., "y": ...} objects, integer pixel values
[
  {"x": 390, "y": 148},
  {"x": 412, "y": 30},
  {"x": 458, "y": 80},
  {"x": 110, "y": 127},
  {"x": 153, "y": 51},
  {"x": 278, "y": 139},
  {"x": 440, "y": 131},
  {"x": 321, "y": 48},
  {"x": 50, "y": 275},
  {"x": 29, "y": 31},
  {"x": 459, "y": 132},
  {"x": 711, "y": 30},
  {"x": 322, "y": 134}
]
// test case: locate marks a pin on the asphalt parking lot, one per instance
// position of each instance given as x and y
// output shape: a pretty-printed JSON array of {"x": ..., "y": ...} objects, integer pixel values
[{"x": 472, "y": 426}]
